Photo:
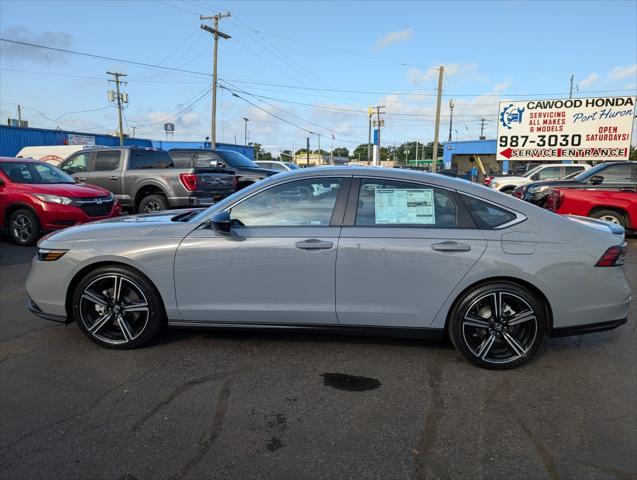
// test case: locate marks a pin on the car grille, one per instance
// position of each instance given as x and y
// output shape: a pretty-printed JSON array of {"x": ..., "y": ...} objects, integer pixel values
[{"x": 95, "y": 207}]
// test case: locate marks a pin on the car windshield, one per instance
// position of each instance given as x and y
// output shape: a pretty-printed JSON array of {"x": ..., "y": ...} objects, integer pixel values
[
  {"x": 34, "y": 173},
  {"x": 235, "y": 159},
  {"x": 291, "y": 166},
  {"x": 572, "y": 175}
]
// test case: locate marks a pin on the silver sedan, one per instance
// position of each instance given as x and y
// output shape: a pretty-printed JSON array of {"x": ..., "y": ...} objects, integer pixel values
[{"x": 343, "y": 249}]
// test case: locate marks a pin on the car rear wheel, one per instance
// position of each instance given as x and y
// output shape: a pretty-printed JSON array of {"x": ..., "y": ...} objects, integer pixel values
[
  {"x": 498, "y": 325},
  {"x": 611, "y": 216},
  {"x": 23, "y": 227},
  {"x": 152, "y": 203},
  {"x": 117, "y": 307}
]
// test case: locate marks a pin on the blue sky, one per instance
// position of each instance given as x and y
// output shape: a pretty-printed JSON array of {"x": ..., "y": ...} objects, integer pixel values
[{"x": 335, "y": 57}]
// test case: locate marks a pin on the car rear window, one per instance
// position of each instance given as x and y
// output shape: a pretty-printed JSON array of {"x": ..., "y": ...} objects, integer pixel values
[
  {"x": 144, "y": 159},
  {"x": 486, "y": 215}
]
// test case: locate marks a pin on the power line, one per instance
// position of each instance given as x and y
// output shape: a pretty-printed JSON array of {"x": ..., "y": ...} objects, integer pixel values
[{"x": 166, "y": 4}]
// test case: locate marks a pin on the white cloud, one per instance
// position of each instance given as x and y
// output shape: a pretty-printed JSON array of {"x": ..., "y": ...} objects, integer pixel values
[
  {"x": 393, "y": 37},
  {"x": 24, "y": 52},
  {"x": 619, "y": 73},
  {"x": 590, "y": 80}
]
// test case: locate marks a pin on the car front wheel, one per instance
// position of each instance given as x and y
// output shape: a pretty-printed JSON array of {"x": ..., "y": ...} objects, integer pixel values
[
  {"x": 23, "y": 227},
  {"x": 117, "y": 307},
  {"x": 498, "y": 325}
]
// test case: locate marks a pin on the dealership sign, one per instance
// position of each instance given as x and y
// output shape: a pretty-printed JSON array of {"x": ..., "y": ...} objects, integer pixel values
[
  {"x": 565, "y": 129},
  {"x": 75, "y": 139}
]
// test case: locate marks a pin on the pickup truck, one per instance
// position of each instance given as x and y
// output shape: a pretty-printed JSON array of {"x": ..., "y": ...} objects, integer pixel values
[
  {"x": 246, "y": 170},
  {"x": 618, "y": 207},
  {"x": 551, "y": 171},
  {"x": 146, "y": 180}
]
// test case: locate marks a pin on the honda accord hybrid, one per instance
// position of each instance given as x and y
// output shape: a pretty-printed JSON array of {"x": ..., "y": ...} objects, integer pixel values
[{"x": 345, "y": 249}]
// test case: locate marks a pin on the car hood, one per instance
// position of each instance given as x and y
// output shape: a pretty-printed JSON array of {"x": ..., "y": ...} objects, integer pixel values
[
  {"x": 554, "y": 183},
  {"x": 158, "y": 217},
  {"x": 71, "y": 190}
]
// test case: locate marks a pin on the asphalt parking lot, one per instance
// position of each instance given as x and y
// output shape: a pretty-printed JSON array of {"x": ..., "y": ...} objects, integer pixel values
[{"x": 198, "y": 404}]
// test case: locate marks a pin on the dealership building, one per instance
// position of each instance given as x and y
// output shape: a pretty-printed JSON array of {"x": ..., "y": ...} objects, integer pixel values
[{"x": 13, "y": 139}]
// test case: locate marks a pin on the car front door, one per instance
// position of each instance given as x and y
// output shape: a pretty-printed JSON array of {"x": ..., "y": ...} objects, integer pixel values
[
  {"x": 276, "y": 266},
  {"x": 403, "y": 249},
  {"x": 79, "y": 166},
  {"x": 622, "y": 177}
]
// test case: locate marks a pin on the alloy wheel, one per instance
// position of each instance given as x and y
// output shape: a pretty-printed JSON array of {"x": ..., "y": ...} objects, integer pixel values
[
  {"x": 499, "y": 327},
  {"x": 611, "y": 219},
  {"x": 114, "y": 309},
  {"x": 152, "y": 207},
  {"x": 22, "y": 227}
]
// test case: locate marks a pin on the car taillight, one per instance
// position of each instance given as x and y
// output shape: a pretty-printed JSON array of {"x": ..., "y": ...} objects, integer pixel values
[
  {"x": 518, "y": 192},
  {"x": 554, "y": 200},
  {"x": 189, "y": 181},
  {"x": 613, "y": 257},
  {"x": 487, "y": 181}
]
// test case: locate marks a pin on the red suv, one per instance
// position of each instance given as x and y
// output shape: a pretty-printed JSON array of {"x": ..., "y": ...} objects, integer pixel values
[{"x": 36, "y": 197}]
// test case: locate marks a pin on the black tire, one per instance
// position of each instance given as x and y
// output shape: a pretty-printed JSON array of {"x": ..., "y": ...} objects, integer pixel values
[
  {"x": 490, "y": 341},
  {"x": 23, "y": 227},
  {"x": 612, "y": 216},
  {"x": 508, "y": 190},
  {"x": 152, "y": 203},
  {"x": 134, "y": 317}
]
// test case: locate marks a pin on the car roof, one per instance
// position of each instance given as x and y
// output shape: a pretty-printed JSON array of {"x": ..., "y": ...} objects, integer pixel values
[{"x": 16, "y": 159}]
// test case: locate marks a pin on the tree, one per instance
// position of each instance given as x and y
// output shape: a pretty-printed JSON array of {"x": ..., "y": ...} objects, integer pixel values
[
  {"x": 286, "y": 156},
  {"x": 259, "y": 153},
  {"x": 341, "y": 152}
]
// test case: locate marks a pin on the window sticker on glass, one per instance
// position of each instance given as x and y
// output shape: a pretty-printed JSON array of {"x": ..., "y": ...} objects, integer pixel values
[{"x": 405, "y": 206}]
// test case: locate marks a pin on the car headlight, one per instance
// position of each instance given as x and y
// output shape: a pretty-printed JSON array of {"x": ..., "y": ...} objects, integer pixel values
[
  {"x": 50, "y": 255},
  {"x": 45, "y": 197},
  {"x": 538, "y": 189}
]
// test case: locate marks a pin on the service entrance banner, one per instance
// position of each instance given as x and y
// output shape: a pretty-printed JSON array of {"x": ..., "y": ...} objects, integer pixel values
[{"x": 584, "y": 129}]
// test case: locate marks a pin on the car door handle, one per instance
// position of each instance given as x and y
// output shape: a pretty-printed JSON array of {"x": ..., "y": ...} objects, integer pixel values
[
  {"x": 314, "y": 244},
  {"x": 114, "y": 177},
  {"x": 451, "y": 247}
]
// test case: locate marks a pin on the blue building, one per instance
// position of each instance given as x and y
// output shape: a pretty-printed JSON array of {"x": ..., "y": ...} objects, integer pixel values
[
  {"x": 460, "y": 156},
  {"x": 13, "y": 139}
]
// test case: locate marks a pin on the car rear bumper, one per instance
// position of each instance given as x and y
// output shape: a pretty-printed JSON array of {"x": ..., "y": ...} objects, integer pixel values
[{"x": 590, "y": 328}]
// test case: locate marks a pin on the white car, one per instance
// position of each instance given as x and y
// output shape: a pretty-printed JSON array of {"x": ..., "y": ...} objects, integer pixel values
[
  {"x": 52, "y": 154},
  {"x": 277, "y": 165},
  {"x": 549, "y": 171}
]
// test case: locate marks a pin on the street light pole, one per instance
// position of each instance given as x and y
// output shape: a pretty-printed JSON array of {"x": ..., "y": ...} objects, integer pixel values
[{"x": 245, "y": 131}]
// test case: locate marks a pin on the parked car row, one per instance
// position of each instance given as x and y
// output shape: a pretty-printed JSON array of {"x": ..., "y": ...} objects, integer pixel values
[
  {"x": 99, "y": 182},
  {"x": 607, "y": 191}
]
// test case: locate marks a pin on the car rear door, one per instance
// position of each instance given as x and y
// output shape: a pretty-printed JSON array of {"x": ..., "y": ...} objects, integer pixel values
[
  {"x": 278, "y": 264},
  {"x": 399, "y": 256},
  {"x": 107, "y": 171}
]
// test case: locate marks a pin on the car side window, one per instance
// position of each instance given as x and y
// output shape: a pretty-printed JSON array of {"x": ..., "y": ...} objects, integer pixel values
[
  {"x": 208, "y": 159},
  {"x": 616, "y": 174},
  {"x": 549, "y": 173},
  {"x": 388, "y": 203},
  {"x": 182, "y": 159},
  {"x": 486, "y": 215},
  {"x": 149, "y": 159},
  {"x": 107, "y": 161},
  {"x": 303, "y": 203},
  {"x": 77, "y": 164}
]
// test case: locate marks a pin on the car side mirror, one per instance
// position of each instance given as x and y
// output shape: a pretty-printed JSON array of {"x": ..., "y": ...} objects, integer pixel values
[
  {"x": 221, "y": 223},
  {"x": 597, "y": 179},
  {"x": 217, "y": 163}
]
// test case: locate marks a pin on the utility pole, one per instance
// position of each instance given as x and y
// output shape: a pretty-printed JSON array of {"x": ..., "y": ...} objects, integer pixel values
[
  {"x": 19, "y": 116},
  {"x": 215, "y": 34},
  {"x": 134, "y": 128},
  {"x": 441, "y": 72},
  {"x": 482, "y": 122},
  {"x": 450, "y": 116},
  {"x": 570, "y": 92},
  {"x": 416, "y": 152},
  {"x": 307, "y": 153},
  {"x": 119, "y": 99},
  {"x": 370, "y": 112},
  {"x": 320, "y": 160},
  {"x": 245, "y": 131}
]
